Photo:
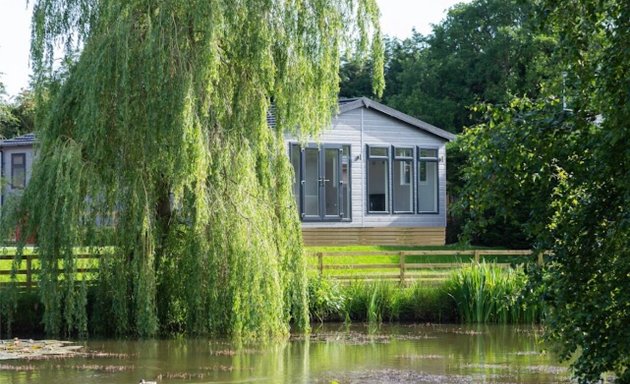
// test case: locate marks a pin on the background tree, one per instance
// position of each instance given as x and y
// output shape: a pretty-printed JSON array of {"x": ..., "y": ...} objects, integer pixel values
[
  {"x": 18, "y": 117},
  {"x": 157, "y": 144},
  {"x": 7, "y": 117},
  {"x": 356, "y": 74},
  {"x": 485, "y": 51}
]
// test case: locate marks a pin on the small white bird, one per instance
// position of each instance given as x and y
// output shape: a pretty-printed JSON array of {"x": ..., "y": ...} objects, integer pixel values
[{"x": 147, "y": 382}]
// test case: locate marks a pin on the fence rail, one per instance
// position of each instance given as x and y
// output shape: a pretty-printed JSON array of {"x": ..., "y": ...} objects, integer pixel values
[
  {"x": 408, "y": 268},
  {"x": 403, "y": 266},
  {"x": 27, "y": 272}
]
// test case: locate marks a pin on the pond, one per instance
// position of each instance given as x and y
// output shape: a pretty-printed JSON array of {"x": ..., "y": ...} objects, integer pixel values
[{"x": 332, "y": 353}]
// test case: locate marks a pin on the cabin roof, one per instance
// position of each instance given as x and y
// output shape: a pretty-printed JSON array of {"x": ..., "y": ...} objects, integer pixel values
[
  {"x": 349, "y": 104},
  {"x": 346, "y": 105},
  {"x": 19, "y": 141}
]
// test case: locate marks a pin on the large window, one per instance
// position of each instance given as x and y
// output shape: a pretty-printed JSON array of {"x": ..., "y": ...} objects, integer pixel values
[
  {"x": 322, "y": 183},
  {"x": 402, "y": 187},
  {"x": 18, "y": 170},
  {"x": 409, "y": 185},
  {"x": 427, "y": 180},
  {"x": 378, "y": 179}
]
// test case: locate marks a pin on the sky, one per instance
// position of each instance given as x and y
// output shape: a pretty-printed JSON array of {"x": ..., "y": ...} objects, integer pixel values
[{"x": 398, "y": 18}]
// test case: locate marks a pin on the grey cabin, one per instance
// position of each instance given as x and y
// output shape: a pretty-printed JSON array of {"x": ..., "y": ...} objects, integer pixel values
[
  {"x": 377, "y": 177},
  {"x": 16, "y": 163}
]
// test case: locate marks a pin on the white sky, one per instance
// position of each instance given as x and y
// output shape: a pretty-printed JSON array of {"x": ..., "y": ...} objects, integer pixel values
[{"x": 398, "y": 17}]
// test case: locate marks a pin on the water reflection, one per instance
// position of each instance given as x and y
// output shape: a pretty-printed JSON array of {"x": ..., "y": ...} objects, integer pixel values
[{"x": 354, "y": 354}]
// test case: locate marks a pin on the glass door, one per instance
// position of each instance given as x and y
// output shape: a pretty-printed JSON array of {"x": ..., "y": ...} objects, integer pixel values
[
  {"x": 311, "y": 183},
  {"x": 321, "y": 183},
  {"x": 330, "y": 182}
]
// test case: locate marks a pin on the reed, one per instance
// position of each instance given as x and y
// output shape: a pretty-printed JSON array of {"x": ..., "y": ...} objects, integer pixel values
[
  {"x": 487, "y": 293},
  {"x": 484, "y": 293}
]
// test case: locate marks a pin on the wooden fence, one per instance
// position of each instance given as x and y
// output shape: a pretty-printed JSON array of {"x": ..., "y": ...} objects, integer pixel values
[
  {"x": 409, "y": 270},
  {"x": 404, "y": 264},
  {"x": 28, "y": 270}
]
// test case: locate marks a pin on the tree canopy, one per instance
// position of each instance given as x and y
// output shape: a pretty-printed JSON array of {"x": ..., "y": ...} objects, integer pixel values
[
  {"x": 17, "y": 116},
  {"x": 156, "y": 145},
  {"x": 483, "y": 52}
]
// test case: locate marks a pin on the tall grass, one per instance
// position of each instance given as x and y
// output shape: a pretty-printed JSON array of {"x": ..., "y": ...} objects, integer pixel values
[
  {"x": 483, "y": 293},
  {"x": 376, "y": 302},
  {"x": 486, "y": 293}
]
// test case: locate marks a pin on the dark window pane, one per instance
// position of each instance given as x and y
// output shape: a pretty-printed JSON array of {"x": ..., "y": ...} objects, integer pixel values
[
  {"x": 311, "y": 182},
  {"x": 18, "y": 170},
  {"x": 379, "y": 151},
  {"x": 295, "y": 162},
  {"x": 378, "y": 183},
  {"x": 404, "y": 152},
  {"x": 402, "y": 187},
  {"x": 427, "y": 186},
  {"x": 427, "y": 152},
  {"x": 345, "y": 180},
  {"x": 331, "y": 181}
]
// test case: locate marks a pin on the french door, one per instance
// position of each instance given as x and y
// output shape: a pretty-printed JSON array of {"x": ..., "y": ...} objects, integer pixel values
[{"x": 321, "y": 184}]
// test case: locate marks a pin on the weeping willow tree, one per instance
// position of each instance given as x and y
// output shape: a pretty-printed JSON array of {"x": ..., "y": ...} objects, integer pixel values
[{"x": 156, "y": 145}]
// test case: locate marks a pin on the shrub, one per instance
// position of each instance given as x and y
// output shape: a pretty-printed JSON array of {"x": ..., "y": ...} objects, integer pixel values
[{"x": 326, "y": 300}]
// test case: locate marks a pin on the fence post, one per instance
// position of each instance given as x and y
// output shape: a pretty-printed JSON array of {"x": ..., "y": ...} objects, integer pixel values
[
  {"x": 29, "y": 271},
  {"x": 401, "y": 261},
  {"x": 477, "y": 256},
  {"x": 541, "y": 258},
  {"x": 320, "y": 261}
]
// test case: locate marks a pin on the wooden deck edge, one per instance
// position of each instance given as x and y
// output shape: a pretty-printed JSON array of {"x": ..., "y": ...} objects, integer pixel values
[{"x": 374, "y": 236}]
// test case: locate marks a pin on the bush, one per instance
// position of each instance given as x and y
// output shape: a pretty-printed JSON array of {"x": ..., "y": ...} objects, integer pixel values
[{"x": 326, "y": 300}]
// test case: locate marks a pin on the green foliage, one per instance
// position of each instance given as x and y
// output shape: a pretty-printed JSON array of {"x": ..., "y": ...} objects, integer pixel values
[
  {"x": 428, "y": 304},
  {"x": 372, "y": 302},
  {"x": 18, "y": 116},
  {"x": 504, "y": 296},
  {"x": 7, "y": 117},
  {"x": 483, "y": 51},
  {"x": 326, "y": 299},
  {"x": 158, "y": 130},
  {"x": 485, "y": 293},
  {"x": 511, "y": 171},
  {"x": 589, "y": 273},
  {"x": 563, "y": 174}
]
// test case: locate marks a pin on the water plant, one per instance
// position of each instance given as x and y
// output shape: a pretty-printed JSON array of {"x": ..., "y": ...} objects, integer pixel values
[
  {"x": 483, "y": 293},
  {"x": 487, "y": 293}
]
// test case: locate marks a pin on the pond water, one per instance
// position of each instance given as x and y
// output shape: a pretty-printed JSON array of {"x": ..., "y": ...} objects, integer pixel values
[{"x": 332, "y": 353}]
